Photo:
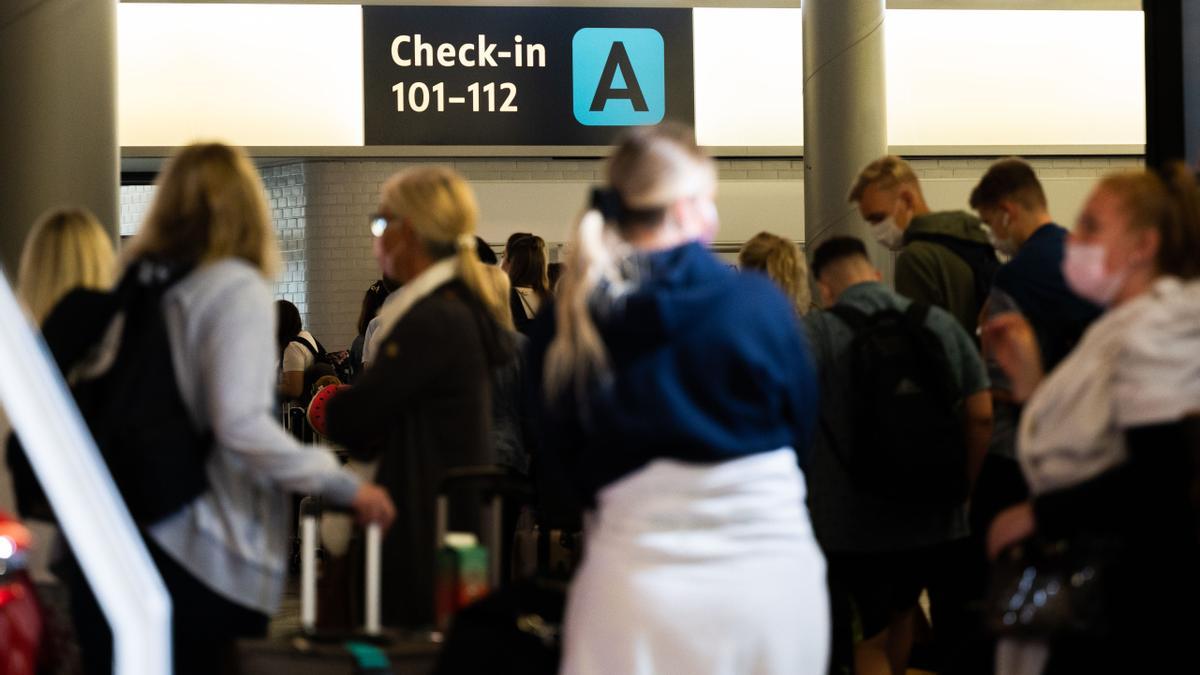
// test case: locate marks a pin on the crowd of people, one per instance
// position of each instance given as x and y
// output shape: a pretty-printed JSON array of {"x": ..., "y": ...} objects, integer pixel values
[{"x": 793, "y": 467}]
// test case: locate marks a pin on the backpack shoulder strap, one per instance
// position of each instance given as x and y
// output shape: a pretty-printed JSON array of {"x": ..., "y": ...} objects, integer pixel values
[
  {"x": 855, "y": 318},
  {"x": 77, "y": 324},
  {"x": 306, "y": 344},
  {"x": 916, "y": 313}
]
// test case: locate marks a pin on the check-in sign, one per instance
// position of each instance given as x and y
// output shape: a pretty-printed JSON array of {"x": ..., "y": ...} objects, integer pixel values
[{"x": 522, "y": 76}]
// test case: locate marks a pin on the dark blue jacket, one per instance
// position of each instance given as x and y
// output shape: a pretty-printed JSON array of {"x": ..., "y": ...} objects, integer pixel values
[
  {"x": 707, "y": 365},
  {"x": 1034, "y": 279}
]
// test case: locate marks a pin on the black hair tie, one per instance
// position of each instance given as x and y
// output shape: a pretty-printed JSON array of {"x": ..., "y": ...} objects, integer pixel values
[{"x": 608, "y": 202}]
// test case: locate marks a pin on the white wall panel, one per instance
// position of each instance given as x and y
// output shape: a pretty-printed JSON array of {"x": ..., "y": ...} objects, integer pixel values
[
  {"x": 265, "y": 75},
  {"x": 291, "y": 75},
  {"x": 1015, "y": 78}
]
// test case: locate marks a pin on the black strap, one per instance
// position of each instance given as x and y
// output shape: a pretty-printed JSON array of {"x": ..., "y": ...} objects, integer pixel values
[
  {"x": 979, "y": 256},
  {"x": 854, "y": 317},
  {"x": 824, "y": 377},
  {"x": 307, "y": 345},
  {"x": 916, "y": 314},
  {"x": 525, "y": 302}
]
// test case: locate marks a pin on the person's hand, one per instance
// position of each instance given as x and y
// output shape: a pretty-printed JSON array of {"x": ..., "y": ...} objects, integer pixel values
[
  {"x": 373, "y": 505},
  {"x": 1011, "y": 341},
  {"x": 1012, "y": 526}
]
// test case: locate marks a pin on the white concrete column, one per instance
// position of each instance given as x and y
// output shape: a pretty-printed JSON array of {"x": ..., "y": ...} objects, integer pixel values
[
  {"x": 58, "y": 116},
  {"x": 845, "y": 115}
]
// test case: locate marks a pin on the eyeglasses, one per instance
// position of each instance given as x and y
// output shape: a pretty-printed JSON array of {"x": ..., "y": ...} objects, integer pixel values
[{"x": 379, "y": 224}]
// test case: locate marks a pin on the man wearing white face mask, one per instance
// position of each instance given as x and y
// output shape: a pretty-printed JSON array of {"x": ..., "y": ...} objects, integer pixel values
[
  {"x": 1010, "y": 199},
  {"x": 945, "y": 258}
]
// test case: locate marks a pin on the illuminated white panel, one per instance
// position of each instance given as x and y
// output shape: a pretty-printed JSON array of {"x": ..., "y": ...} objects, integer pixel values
[
  {"x": 291, "y": 75},
  {"x": 749, "y": 76},
  {"x": 955, "y": 77},
  {"x": 259, "y": 75},
  {"x": 1015, "y": 78}
]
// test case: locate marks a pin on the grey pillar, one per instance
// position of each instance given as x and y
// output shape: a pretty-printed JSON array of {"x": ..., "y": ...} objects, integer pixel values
[
  {"x": 845, "y": 115},
  {"x": 58, "y": 119}
]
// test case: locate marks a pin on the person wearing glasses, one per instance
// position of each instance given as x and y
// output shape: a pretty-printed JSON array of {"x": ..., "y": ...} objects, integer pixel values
[{"x": 422, "y": 406}]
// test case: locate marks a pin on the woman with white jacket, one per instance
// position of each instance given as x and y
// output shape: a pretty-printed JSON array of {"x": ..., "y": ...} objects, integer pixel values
[{"x": 223, "y": 556}]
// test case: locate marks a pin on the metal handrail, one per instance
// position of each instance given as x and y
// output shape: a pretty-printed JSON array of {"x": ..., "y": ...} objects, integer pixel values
[{"x": 89, "y": 508}]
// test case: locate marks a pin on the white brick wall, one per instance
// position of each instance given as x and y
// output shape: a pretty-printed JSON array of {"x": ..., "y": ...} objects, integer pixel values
[
  {"x": 320, "y": 211},
  {"x": 341, "y": 196},
  {"x": 285, "y": 187},
  {"x": 286, "y": 198},
  {"x": 135, "y": 201}
]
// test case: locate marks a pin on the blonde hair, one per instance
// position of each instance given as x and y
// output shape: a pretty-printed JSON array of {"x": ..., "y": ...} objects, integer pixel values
[
  {"x": 440, "y": 207},
  {"x": 783, "y": 262},
  {"x": 886, "y": 172},
  {"x": 209, "y": 205},
  {"x": 66, "y": 249},
  {"x": 649, "y": 171},
  {"x": 503, "y": 288}
]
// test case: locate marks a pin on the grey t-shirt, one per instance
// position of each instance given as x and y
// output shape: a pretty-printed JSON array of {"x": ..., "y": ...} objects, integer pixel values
[{"x": 846, "y": 519}]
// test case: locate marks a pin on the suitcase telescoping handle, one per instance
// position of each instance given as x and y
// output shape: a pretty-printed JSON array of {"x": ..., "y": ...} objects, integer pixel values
[
  {"x": 494, "y": 484},
  {"x": 311, "y": 509}
]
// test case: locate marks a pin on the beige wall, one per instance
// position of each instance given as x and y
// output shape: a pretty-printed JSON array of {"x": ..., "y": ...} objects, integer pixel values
[{"x": 320, "y": 210}]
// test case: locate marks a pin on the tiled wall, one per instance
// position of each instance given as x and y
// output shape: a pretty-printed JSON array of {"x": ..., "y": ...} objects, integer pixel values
[
  {"x": 285, "y": 187},
  {"x": 287, "y": 190},
  {"x": 135, "y": 201},
  {"x": 320, "y": 209}
]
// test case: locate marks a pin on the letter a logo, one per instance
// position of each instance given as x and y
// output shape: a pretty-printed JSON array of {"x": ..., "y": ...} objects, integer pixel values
[{"x": 618, "y": 76}]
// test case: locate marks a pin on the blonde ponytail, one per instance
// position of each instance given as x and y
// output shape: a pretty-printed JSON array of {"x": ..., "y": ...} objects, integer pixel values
[
  {"x": 440, "y": 206},
  {"x": 577, "y": 353},
  {"x": 473, "y": 275},
  {"x": 651, "y": 169}
]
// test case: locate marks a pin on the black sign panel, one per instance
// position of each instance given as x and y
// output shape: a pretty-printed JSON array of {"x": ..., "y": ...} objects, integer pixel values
[{"x": 523, "y": 76}]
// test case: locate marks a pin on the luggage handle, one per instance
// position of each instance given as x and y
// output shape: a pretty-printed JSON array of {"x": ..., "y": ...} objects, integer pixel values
[
  {"x": 311, "y": 509},
  {"x": 495, "y": 482},
  {"x": 492, "y": 525}
]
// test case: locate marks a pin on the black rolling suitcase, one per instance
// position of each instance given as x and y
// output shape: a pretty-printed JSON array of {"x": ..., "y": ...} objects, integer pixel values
[
  {"x": 370, "y": 650},
  {"x": 373, "y": 649}
]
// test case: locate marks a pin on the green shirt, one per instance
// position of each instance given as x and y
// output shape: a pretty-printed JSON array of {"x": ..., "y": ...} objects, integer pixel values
[{"x": 929, "y": 272}]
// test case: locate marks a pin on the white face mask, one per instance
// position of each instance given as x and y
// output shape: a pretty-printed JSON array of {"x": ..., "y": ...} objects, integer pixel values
[
  {"x": 1083, "y": 267},
  {"x": 889, "y": 234},
  {"x": 1005, "y": 245}
]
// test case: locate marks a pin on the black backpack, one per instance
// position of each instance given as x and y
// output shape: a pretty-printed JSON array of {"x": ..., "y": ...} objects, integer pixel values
[
  {"x": 132, "y": 406},
  {"x": 324, "y": 364},
  {"x": 908, "y": 434},
  {"x": 979, "y": 256}
]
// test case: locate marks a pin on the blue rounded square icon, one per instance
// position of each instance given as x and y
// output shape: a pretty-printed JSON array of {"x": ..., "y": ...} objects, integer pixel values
[{"x": 618, "y": 76}]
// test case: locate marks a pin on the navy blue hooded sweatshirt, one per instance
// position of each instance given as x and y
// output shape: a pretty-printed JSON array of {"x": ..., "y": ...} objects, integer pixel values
[{"x": 707, "y": 365}]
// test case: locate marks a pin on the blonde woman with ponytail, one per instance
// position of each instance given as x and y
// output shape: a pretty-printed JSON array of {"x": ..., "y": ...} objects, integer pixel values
[
  {"x": 422, "y": 406},
  {"x": 681, "y": 408}
]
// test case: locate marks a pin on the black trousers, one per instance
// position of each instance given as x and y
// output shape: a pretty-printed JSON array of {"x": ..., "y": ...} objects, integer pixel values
[{"x": 204, "y": 625}]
